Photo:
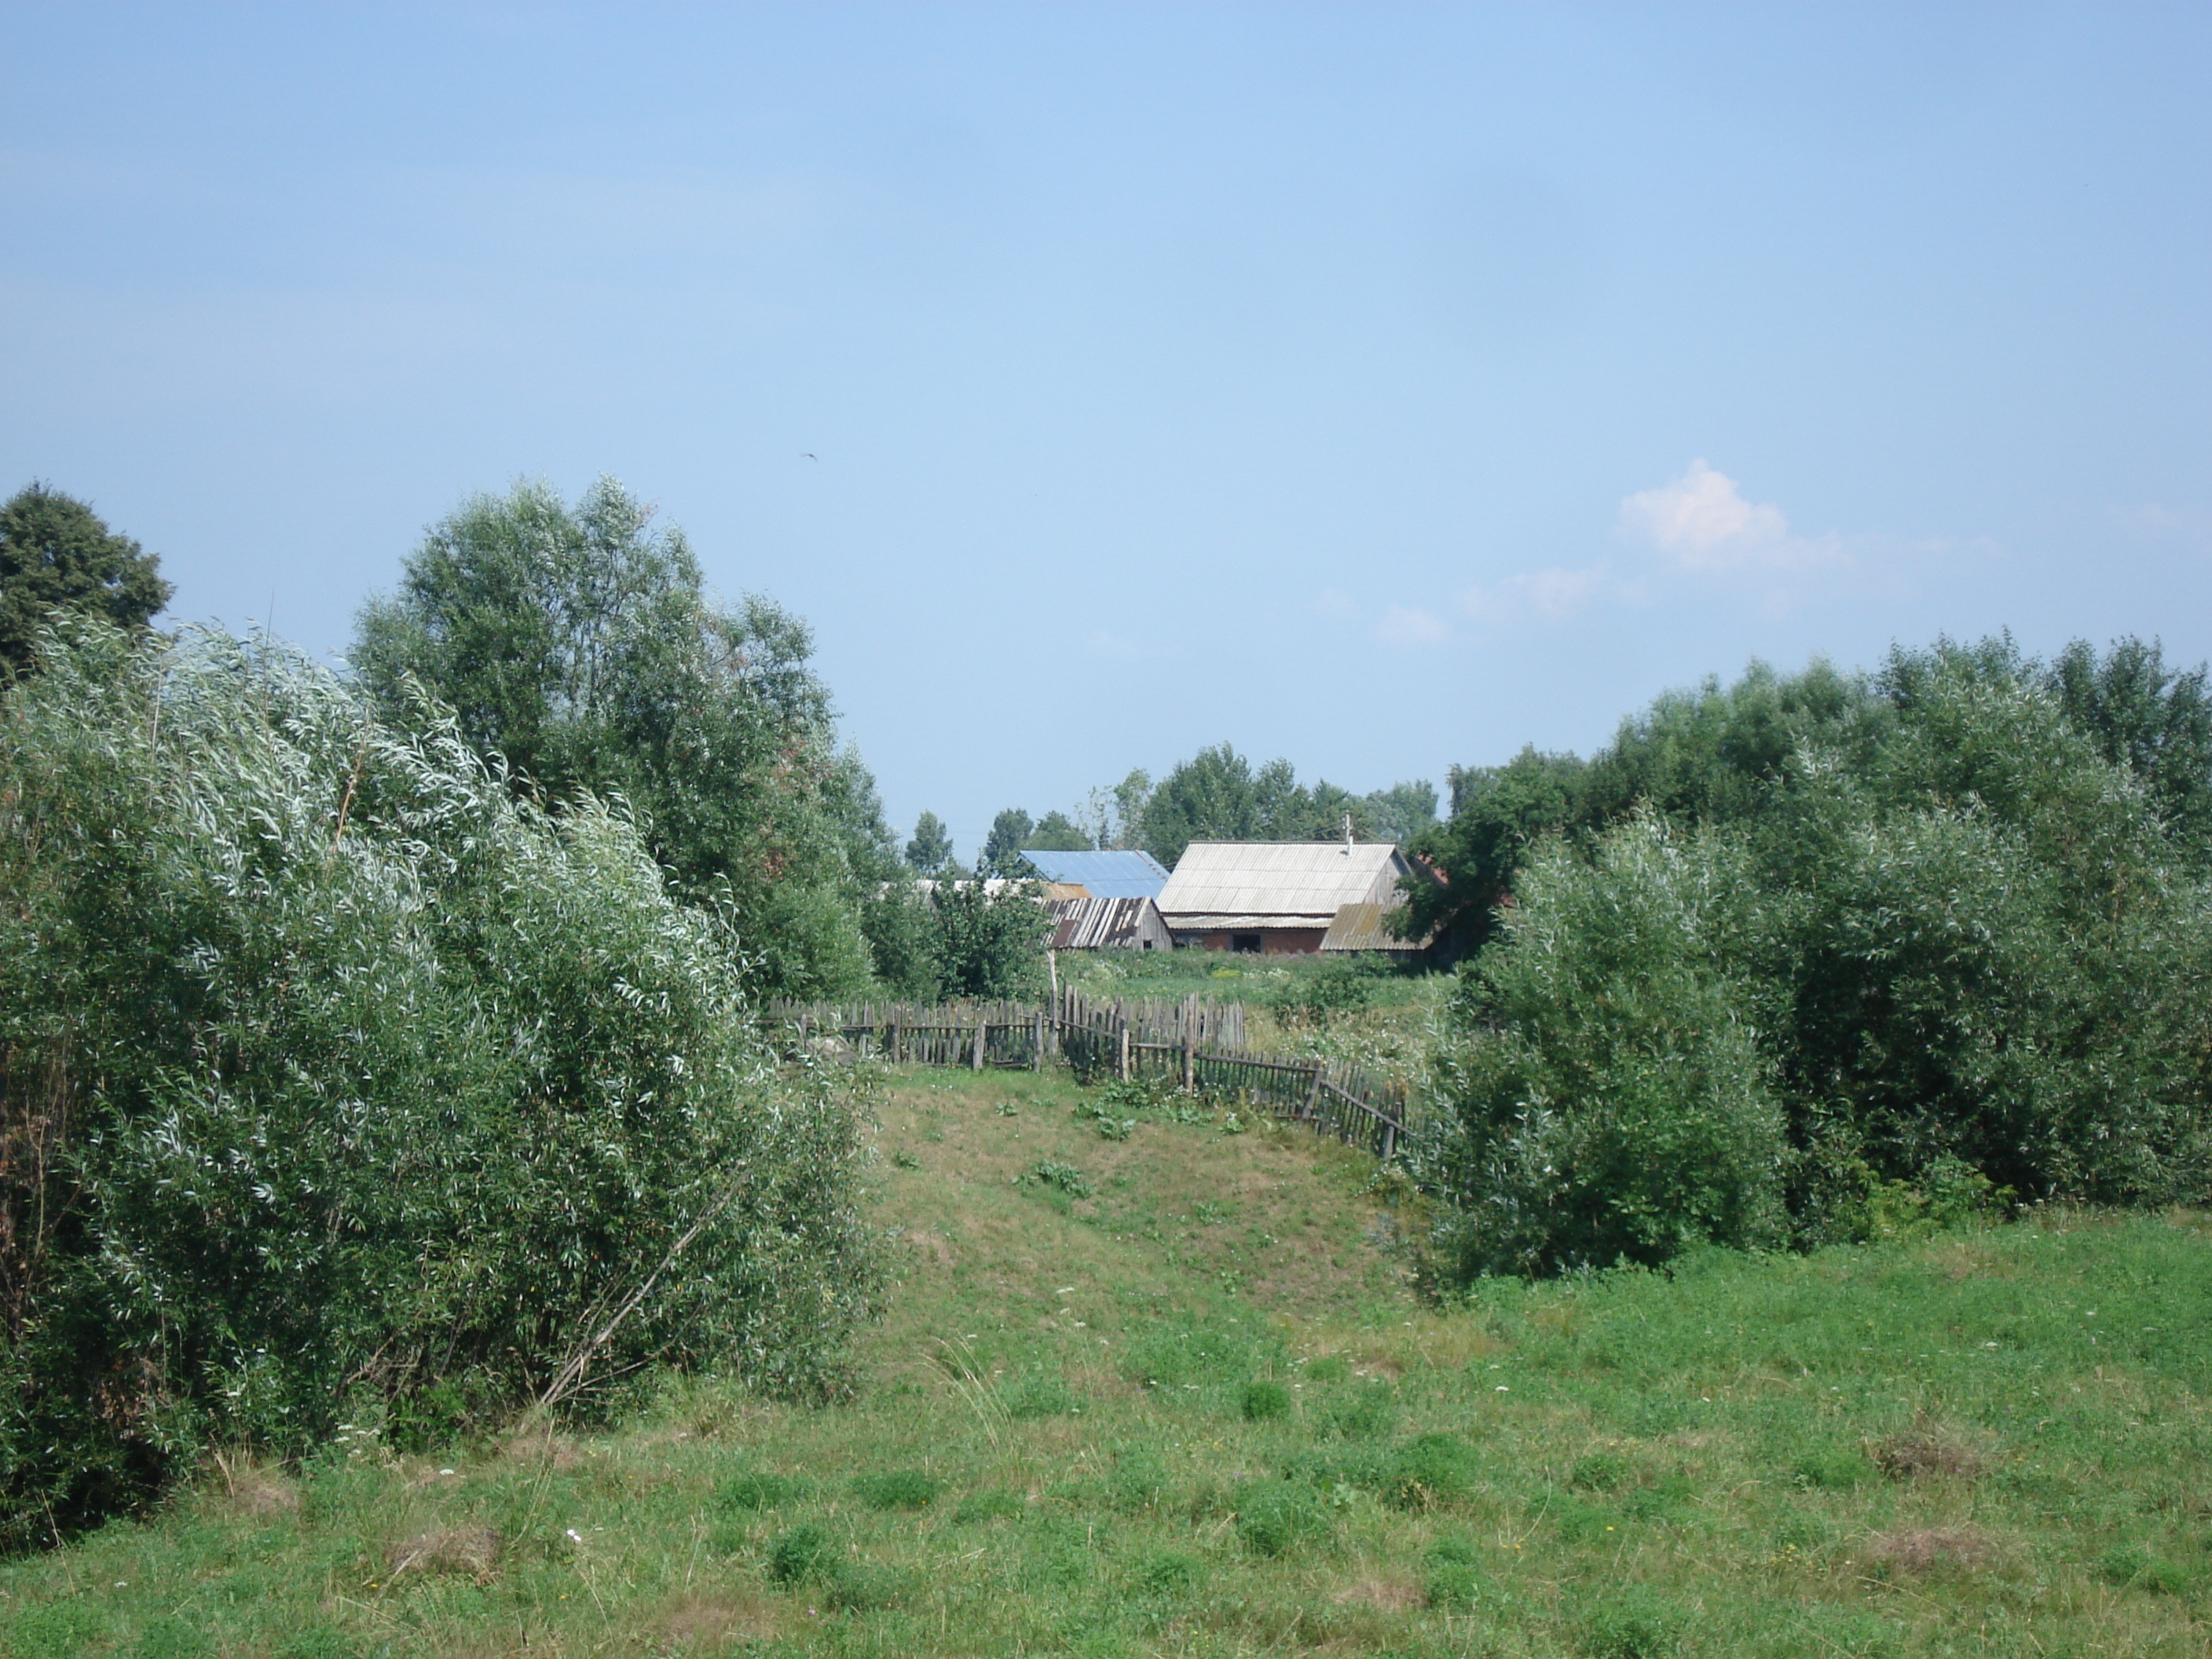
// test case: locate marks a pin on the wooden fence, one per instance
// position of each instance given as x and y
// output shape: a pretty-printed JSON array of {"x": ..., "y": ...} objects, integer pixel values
[{"x": 1198, "y": 1046}]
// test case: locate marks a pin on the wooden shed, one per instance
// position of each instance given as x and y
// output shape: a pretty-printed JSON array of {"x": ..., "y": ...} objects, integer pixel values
[
  {"x": 1108, "y": 924},
  {"x": 1365, "y": 929}
]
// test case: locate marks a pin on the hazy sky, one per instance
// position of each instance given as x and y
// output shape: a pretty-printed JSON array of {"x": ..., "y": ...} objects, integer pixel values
[{"x": 1382, "y": 386}]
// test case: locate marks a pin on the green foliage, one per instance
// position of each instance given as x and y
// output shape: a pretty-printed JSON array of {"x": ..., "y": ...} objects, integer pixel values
[
  {"x": 1342, "y": 985},
  {"x": 1454, "y": 1581},
  {"x": 1599, "y": 1472},
  {"x": 759, "y": 1491},
  {"x": 1830, "y": 1467},
  {"x": 1611, "y": 1102},
  {"x": 1498, "y": 815},
  {"x": 1061, "y": 1177},
  {"x": 802, "y": 1554},
  {"x": 989, "y": 1506},
  {"x": 1040, "y": 1392},
  {"x": 580, "y": 646},
  {"x": 2153, "y": 720},
  {"x": 1002, "y": 848},
  {"x": 1275, "y": 1517},
  {"x": 1115, "y": 1531},
  {"x": 900, "y": 926},
  {"x": 930, "y": 852},
  {"x": 1218, "y": 796},
  {"x": 987, "y": 944},
  {"x": 1634, "y": 1624},
  {"x": 1864, "y": 956},
  {"x": 1361, "y": 1414},
  {"x": 2136, "y": 1566},
  {"x": 1184, "y": 1356},
  {"x": 1263, "y": 1402},
  {"x": 1431, "y": 1470},
  {"x": 340, "y": 1082},
  {"x": 898, "y": 1489},
  {"x": 56, "y": 553},
  {"x": 1056, "y": 832},
  {"x": 1402, "y": 812}
]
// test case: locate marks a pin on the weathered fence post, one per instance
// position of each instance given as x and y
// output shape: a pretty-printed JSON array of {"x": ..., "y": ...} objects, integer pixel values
[
  {"x": 1313, "y": 1095},
  {"x": 975, "y": 1063},
  {"x": 1189, "y": 1046},
  {"x": 1122, "y": 1068}
]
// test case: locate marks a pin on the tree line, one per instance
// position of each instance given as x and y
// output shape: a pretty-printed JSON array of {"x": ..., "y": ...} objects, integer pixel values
[{"x": 1216, "y": 795}]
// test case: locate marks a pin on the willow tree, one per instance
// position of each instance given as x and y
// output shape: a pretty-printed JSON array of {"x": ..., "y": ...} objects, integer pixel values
[{"x": 579, "y": 644}]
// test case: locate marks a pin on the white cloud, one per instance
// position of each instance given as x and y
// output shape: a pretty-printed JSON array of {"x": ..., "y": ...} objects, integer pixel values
[
  {"x": 2163, "y": 523},
  {"x": 1701, "y": 522},
  {"x": 1403, "y": 625},
  {"x": 1553, "y": 593},
  {"x": 1562, "y": 592}
]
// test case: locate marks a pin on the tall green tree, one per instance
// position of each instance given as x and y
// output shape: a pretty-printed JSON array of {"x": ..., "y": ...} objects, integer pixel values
[
  {"x": 1218, "y": 795},
  {"x": 1401, "y": 812},
  {"x": 579, "y": 645},
  {"x": 56, "y": 553},
  {"x": 1056, "y": 832},
  {"x": 1002, "y": 848},
  {"x": 930, "y": 852},
  {"x": 1500, "y": 813},
  {"x": 2154, "y": 719}
]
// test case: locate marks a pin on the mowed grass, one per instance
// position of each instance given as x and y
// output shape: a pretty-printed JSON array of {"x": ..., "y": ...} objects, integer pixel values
[{"x": 1195, "y": 1412}]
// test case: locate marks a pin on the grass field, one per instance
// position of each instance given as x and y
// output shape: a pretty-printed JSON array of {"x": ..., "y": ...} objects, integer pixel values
[{"x": 1155, "y": 1386}]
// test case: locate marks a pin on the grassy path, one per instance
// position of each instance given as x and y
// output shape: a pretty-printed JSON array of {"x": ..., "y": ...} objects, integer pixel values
[{"x": 1163, "y": 1394}]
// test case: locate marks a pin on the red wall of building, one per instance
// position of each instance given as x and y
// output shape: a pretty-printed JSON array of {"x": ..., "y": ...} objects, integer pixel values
[{"x": 1273, "y": 941}]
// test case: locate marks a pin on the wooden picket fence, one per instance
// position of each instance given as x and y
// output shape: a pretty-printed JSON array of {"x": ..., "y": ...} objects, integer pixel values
[{"x": 1198, "y": 1045}]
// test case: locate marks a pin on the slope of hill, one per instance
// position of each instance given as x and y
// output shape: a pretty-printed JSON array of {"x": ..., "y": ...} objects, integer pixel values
[{"x": 1150, "y": 1386}]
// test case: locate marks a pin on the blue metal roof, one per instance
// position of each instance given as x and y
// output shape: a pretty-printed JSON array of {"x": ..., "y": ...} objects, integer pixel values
[{"x": 1107, "y": 875}]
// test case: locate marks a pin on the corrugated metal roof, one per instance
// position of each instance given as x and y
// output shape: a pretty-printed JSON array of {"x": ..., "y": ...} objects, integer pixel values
[
  {"x": 1107, "y": 875},
  {"x": 1281, "y": 879},
  {"x": 1108, "y": 924},
  {"x": 1211, "y": 921},
  {"x": 1366, "y": 927}
]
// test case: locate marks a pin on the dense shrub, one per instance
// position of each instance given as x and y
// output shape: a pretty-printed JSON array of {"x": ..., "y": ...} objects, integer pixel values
[
  {"x": 1620, "y": 1108},
  {"x": 339, "y": 1080},
  {"x": 1940, "y": 950},
  {"x": 1274, "y": 1516}
]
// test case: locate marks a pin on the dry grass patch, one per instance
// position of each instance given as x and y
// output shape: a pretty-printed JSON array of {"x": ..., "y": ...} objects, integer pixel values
[
  {"x": 716, "y": 1623},
  {"x": 1385, "y": 1594},
  {"x": 1928, "y": 1451},
  {"x": 258, "y": 1492},
  {"x": 1931, "y": 1549},
  {"x": 467, "y": 1552}
]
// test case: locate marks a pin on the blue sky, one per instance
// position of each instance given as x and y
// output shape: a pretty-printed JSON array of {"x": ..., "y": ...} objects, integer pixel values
[{"x": 1382, "y": 386}]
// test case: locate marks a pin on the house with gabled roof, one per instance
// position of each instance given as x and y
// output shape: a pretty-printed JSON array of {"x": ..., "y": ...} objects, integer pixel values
[{"x": 1275, "y": 898}]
